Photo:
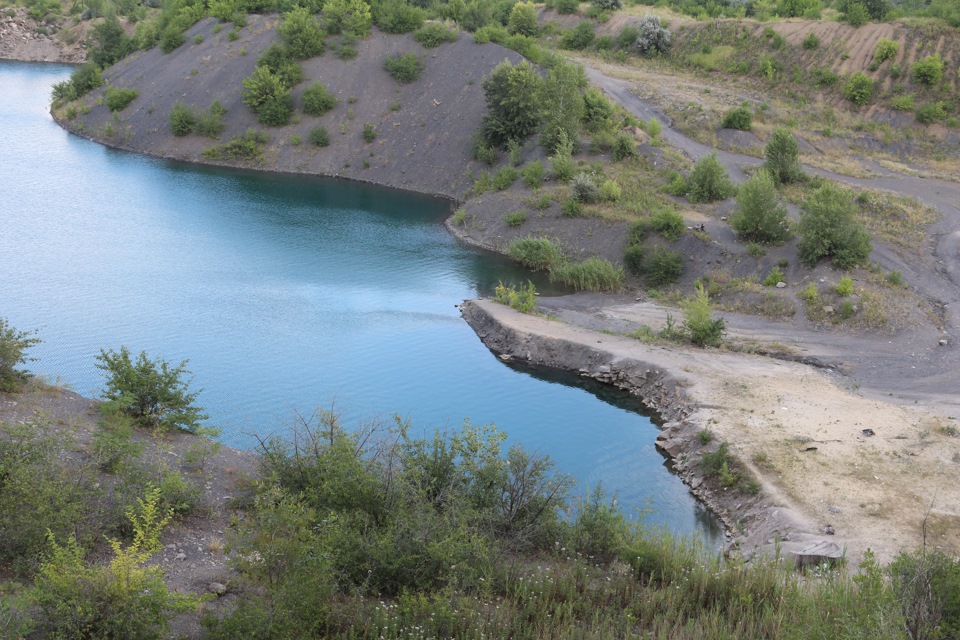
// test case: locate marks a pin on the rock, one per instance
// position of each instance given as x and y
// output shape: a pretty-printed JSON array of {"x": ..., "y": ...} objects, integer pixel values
[
  {"x": 817, "y": 553},
  {"x": 217, "y": 588},
  {"x": 829, "y": 530},
  {"x": 833, "y": 509},
  {"x": 781, "y": 285},
  {"x": 828, "y": 309},
  {"x": 943, "y": 342},
  {"x": 671, "y": 447},
  {"x": 640, "y": 135},
  {"x": 180, "y": 556}
]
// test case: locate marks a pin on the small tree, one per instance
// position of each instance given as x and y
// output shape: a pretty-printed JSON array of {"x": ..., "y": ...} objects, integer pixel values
[
  {"x": 739, "y": 118},
  {"x": 653, "y": 36},
  {"x": 317, "y": 100},
  {"x": 523, "y": 19},
  {"x": 858, "y": 89},
  {"x": 513, "y": 103},
  {"x": 348, "y": 16},
  {"x": 266, "y": 93},
  {"x": 562, "y": 106},
  {"x": 782, "y": 157},
  {"x": 709, "y": 182},
  {"x": 301, "y": 33},
  {"x": 404, "y": 68},
  {"x": 13, "y": 346},
  {"x": 760, "y": 216},
  {"x": 152, "y": 392},
  {"x": 699, "y": 324},
  {"x": 928, "y": 70},
  {"x": 828, "y": 229}
]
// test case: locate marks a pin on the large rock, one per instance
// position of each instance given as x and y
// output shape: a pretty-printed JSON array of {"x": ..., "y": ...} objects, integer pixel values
[{"x": 817, "y": 553}]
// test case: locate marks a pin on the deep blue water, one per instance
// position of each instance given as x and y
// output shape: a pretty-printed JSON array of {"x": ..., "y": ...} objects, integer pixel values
[{"x": 285, "y": 293}]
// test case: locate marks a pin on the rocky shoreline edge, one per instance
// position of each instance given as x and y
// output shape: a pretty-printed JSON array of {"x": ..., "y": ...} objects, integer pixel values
[{"x": 757, "y": 526}]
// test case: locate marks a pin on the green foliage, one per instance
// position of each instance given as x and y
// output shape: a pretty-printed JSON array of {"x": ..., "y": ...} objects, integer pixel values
[
  {"x": 931, "y": 112},
  {"x": 760, "y": 216},
  {"x": 610, "y": 191},
  {"x": 513, "y": 95},
  {"x": 515, "y": 151},
  {"x": 268, "y": 95},
  {"x": 504, "y": 177},
  {"x": 123, "y": 599},
  {"x": 280, "y": 61},
  {"x": 926, "y": 586},
  {"x": 182, "y": 119},
  {"x": 903, "y": 103},
  {"x": 523, "y": 19},
  {"x": 828, "y": 229},
  {"x": 83, "y": 80},
  {"x": 858, "y": 89},
  {"x": 350, "y": 17},
  {"x": 662, "y": 267},
  {"x": 653, "y": 127},
  {"x": 572, "y": 208},
  {"x": 369, "y": 132},
  {"x": 515, "y": 218},
  {"x": 113, "y": 445},
  {"x": 585, "y": 188},
  {"x": 13, "y": 347},
  {"x": 699, "y": 324},
  {"x": 668, "y": 223},
  {"x": 523, "y": 299},
  {"x": 580, "y": 37},
  {"x": 301, "y": 34},
  {"x": 782, "y": 157},
  {"x": 677, "y": 186},
  {"x": 210, "y": 123},
  {"x": 928, "y": 70},
  {"x": 566, "y": 7},
  {"x": 593, "y": 274},
  {"x": 404, "y": 68},
  {"x": 434, "y": 34},
  {"x": 652, "y": 38},
  {"x": 844, "y": 288},
  {"x": 633, "y": 259},
  {"x": 709, "y": 182},
  {"x": 539, "y": 254},
  {"x": 561, "y": 162},
  {"x": 112, "y": 42},
  {"x": 739, "y": 118},
  {"x": 533, "y": 174},
  {"x": 856, "y": 14},
  {"x": 319, "y": 136},
  {"x": 118, "y": 99},
  {"x": 775, "y": 276},
  {"x": 624, "y": 146},
  {"x": 811, "y": 41},
  {"x": 886, "y": 49},
  {"x": 562, "y": 106},
  {"x": 154, "y": 393},
  {"x": 396, "y": 16}
]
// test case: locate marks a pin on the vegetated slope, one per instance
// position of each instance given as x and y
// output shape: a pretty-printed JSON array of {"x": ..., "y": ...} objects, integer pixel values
[
  {"x": 23, "y": 37},
  {"x": 423, "y": 129}
]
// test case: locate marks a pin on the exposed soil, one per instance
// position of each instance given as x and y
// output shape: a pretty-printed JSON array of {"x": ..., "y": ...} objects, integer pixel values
[{"x": 23, "y": 38}]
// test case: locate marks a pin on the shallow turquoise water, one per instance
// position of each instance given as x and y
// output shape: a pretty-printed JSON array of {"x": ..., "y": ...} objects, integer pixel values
[{"x": 284, "y": 293}]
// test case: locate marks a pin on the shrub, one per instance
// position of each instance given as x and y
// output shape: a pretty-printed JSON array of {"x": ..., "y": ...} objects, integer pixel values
[
  {"x": 662, "y": 267},
  {"x": 83, "y": 80},
  {"x": 668, "y": 223},
  {"x": 319, "y": 136},
  {"x": 781, "y": 157},
  {"x": 708, "y": 182},
  {"x": 740, "y": 118},
  {"x": 562, "y": 106},
  {"x": 245, "y": 147},
  {"x": 653, "y": 37},
  {"x": 856, "y": 14},
  {"x": 123, "y": 599},
  {"x": 566, "y": 7},
  {"x": 515, "y": 218},
  {"x": 844, "y": 288},
  {"x": 533, "y": 174},
  {"x": 811, "y": 41},
  {"x": 351, "y": 17},
  {"x": 633, "y": 259},
  {"x": 561, "y": 162},
  {"x": 369, "y": 132},
  {"x": 515, "y": 151},
  {"x": 858, "y": 88},
  {"x": 638, "y": 232},
  {"x": 396, "y": 16},
  {"x": 504, "y": 177},
  {"x": 317, "y": 100},
  {"x": 580, "y": 37},
  {"x": 118, "y": 99},
  {"x": 928, "y": 70},
  {"x": 610, "y": 191},
  {"x": 539, "y": 254},
  {"x": 593, "y": 274},
  {"x": 775, "y": 276},
  {"x": 760, "y": 216},
  {"x": 513, "y": 101},
  {"x": 434, "y": 34},
  {"x": 828, "y": 229},
  {"x": 699, "y": 324},
  {"x": 153, "y": 393},
  {"x": 886, "y": 49},
  {"x": 926, "y": 585},
  {"x": 523, "y": 19},
  {"x": 523, "y": 299},
  {"x": 13, "y": 347},
  {"x": 404, "y": 68},
  {"x": 677, "y": 186},
  {"x": 268, "y": 95},
  {"x": 624, "y": 146},
  {"x": 301, "y": 33},
  {"x": 903, "y": 103},
  {"x": 607, "y": 5},
  {"x": 572, "y": 208},
  {"x": 585, "y": 189},
  {"x": 182, "y": 119},
  {"x": 210, "y": 122},
  {"x": 931, "y": 112},
  {"x": 653, "y": 127}
]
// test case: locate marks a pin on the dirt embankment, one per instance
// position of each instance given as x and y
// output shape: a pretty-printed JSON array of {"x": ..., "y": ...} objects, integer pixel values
[
  {"x": 23, "y": 38},
  {"x": 423, "y": 129}
]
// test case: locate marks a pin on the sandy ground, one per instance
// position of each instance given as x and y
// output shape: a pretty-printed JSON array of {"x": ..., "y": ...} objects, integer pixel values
[{"x": 22, "y": 38}]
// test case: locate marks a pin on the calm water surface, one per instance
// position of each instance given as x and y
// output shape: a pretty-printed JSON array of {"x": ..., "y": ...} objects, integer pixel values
[{"x": 285, "y": 294}]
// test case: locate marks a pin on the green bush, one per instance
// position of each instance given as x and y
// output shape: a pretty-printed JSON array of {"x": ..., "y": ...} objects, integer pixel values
[
  {"x": 638, "y": 232},
  {"x": 668, "y": 223},
  {"x": 13, "y": 347},
  {"x": 533, "y": 174},
  {"x": 775, "y": 276},
  {"x": 523, "y": 299},
  {"x": 539, "y": 254},
  {"x": 369, "y": 132},
  {"x": 782, "y": 157},
  {"x": 709, "y": 182},
  {"x": 931, "y": 112},
  {"x": 903, "y": 103},
  {"x": 561, "y": 162},
  {"x": 154, "y": 393},
  {"x": 662, "y": 267},
  {"x": 926, "y": 586},
  {"x": 856, "y": 14},
  {"x": 515, "y": 218},
  {"x": 404, "y": 68},
  {"x": 811, "y": 41},
  {"x": 624, "y": 146},
  {"x": 580, "y": 37},
  {"x": 514, "y": 109},
  {"x": 301, "y": 33},
  {"x": 434, "y": 34},
  {"x": 566, "y": 7},
  {"x": 844, "y": 288},
  {"x": 633, "y": 259},
  {"x": 249, "y": 146},
  {"x": 279, "y": 59},
  {"x": 858, "y": 88},
  {"x": 653, "y": 37},
  {"x": 182, "y": 119},
  {"x": 562, "y": 106},
  {"x": 760, "y": 216},
  {"x": 268, "y": 95},
  {"x": 703, "y": 329},
  {"x": 572, "y": 208},
  {"x": 886, "y": 49},
  {"x": 593, "y": 274},
  {"x": 350, "y": 17},
  {"x": 610, "y": 191},
  {"x": 118, "y": 99},
  {"x": 523, "y": 19},
  {"x": 396, "y": 16},
  {"x": 597, "y": 110},
  {"x": 828, "y": 229},
  {"x": 928, "y": 70},
  {"x": 739, "y": 118},
  {"x": 504, "y": 177},
  {"x": 83, "y": 80},
  {"x": 585, "y": 188},
  {"x": 319, "y": 136},
  {"x": 210, "y": 123}
]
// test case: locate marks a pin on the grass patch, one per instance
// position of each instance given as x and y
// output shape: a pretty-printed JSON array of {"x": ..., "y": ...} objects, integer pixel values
[{"x": 248, "y": 147}]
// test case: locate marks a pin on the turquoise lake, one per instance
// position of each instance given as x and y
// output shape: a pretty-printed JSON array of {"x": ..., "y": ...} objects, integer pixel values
[{"x": 285, "y": 294}]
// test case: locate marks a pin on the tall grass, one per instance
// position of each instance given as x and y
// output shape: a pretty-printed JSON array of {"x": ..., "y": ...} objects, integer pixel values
[{"x": 593, "y": 274}]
